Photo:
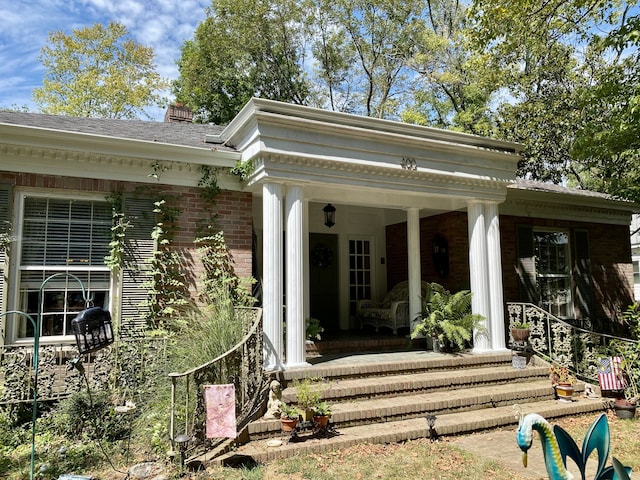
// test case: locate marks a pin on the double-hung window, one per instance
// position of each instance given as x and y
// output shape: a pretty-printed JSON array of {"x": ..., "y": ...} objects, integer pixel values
[
  {"x": 60, "y": 237},
  {"x": 553, "y": 272}
]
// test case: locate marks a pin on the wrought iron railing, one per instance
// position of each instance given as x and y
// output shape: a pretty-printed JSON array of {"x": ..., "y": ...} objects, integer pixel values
[
  {"x": 125, "y": 365},
  {"x": 557, "y": 341},
  {"x": 240, "y": 366}
]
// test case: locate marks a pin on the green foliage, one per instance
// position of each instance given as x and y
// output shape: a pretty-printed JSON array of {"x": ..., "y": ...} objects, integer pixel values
[
  {"x": 308, "y": 392},
  {"x": 313, "y": 329},
  {"x": 206, "y": 333},
  {"x": 289, "y": 411},
  {"x": 98, "y": 71},
  {"x": 569, "y": 90},
  {"x": 322, "y": 409},
  {"x": 241, "y": 50},
  {"x": 209, "y": 184},
  {"x": 91, "y": 416},
  {"x": 117, "y": 245},
  {"x": 168, "y": 295},
  {"x": 630, "y": 353},
  {"x": 242, "y": 169},
  {"x": 219, "y": 271},
  {"x": 447, "y": 317}
]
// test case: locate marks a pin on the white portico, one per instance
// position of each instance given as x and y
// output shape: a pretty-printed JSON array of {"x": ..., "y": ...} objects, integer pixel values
[{"x": 375, "y": 172}]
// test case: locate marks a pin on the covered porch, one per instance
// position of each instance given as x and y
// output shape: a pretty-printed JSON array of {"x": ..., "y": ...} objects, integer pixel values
[{"x": 375, "y": 173}]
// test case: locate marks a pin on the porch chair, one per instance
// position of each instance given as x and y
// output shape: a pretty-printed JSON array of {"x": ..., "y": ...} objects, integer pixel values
[{"x": 392, "y": 312}]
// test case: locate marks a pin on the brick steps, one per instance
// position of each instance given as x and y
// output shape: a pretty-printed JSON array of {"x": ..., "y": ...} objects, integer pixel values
[
  {"x": 410, "y": 383},
  {"x": 358, "y": 412},
  {"x": 385, "y": 397},
  {"x": 384, "y": 364},
  {"x": 403, "y": 430}
]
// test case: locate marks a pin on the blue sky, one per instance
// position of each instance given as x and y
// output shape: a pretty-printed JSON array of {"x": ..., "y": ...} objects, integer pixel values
[{"x": 161, "y": 24}]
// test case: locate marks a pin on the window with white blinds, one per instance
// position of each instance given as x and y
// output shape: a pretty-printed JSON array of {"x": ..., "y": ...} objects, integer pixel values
[{"x": 62, "y": 235}]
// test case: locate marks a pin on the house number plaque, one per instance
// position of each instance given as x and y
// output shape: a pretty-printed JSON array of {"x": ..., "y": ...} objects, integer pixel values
[{"x": 409, "y": 163}]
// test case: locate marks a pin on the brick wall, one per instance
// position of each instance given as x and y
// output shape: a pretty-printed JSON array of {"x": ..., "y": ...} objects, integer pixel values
[
  {"x": 609, "y": 247},
  {"x": 233, "y": 210},
  {"x": 453, "y": 227}
]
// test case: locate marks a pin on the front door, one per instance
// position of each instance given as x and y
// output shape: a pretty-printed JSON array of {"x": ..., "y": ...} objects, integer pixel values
[{"x": 324, "y": 280}]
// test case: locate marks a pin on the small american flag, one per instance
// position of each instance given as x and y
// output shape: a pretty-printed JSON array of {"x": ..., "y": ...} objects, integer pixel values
[{"x": 609, "y": 376}]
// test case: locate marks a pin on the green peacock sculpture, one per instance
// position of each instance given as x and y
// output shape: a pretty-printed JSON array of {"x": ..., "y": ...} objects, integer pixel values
[{"x": 557, "y": 445}]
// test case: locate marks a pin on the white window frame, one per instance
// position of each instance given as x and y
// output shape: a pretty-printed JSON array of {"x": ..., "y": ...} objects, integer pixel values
[
  {"x": 17, "y": 268},
  {"x": 556, "y": 307}
]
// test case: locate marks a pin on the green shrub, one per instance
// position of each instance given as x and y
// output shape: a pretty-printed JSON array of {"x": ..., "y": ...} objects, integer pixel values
[{"x": 92, "y": 416}]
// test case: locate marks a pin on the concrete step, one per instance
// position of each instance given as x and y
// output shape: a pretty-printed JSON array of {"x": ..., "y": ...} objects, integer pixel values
[
  {"x": 426, "y": 380},
  {"x": 408, "y": 429},
  {"x": 373, "y": 411}
]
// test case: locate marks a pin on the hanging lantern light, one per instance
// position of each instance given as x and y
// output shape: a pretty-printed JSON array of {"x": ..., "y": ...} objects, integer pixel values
[
  {"x": 329, "y": 215},
  {"x": 92, "y": 329}
]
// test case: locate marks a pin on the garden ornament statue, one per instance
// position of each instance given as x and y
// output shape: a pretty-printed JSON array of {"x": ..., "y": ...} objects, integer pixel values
[
  {"x": 275, "y": 400},
  {"x": 557, "y": 445}
]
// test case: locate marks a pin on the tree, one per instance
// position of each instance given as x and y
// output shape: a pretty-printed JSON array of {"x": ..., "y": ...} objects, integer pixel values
[
  {"x": 241, "y": 50},
  {"x": 455, "y": 86},
  {"x": 570, "y": 72},
  {"x": 98, "y": 72},
  {"x": 345, "y": 55},
  {"x": 378, "y": 36}
]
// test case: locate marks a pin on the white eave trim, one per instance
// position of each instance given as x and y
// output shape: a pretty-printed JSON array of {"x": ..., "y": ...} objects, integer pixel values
[{"x": 269, "y": 109}]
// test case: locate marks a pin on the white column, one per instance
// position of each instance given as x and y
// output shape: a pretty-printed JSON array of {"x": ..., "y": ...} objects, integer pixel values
[
  {"x": 305, "y": 259},
  {"x": 494, "y": 258},
  {"x": 272, "y": 274},
  {"x": 295, "y": 277},
  {"x": 478, "y": 273},
  {"x": 415, "y": 276}
]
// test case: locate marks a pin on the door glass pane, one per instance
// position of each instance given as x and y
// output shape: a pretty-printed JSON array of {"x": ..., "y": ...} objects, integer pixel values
[
  {"x": 553, "y": 272},
  {"x": 359, "y": 272}
]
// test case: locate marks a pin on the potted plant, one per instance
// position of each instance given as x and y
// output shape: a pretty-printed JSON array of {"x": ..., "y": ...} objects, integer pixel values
[
  {"x": 321, "y": 415},
  {"x": 289, "y": 417},
  {"x": 562, "y": 381},
  {"x": 308, "y": 396},
  {"x": 520, "y": 331},
  {"x": 313, "y": 329},
  {"x": 447, "y": 319}
]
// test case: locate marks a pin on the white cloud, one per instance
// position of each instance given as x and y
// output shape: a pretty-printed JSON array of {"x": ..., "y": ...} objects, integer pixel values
[{"x": 160, "y": 24}]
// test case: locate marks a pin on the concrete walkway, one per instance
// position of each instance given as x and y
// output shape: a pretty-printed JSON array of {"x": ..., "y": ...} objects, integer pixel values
[{"x": 501, "y": 446}]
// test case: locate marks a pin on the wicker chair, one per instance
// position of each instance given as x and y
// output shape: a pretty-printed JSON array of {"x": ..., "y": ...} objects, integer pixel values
[{"x": 392, "y": 312}]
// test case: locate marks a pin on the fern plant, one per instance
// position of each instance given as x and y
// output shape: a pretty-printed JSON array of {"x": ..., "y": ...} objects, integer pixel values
[{"x": 447, "y": 318}]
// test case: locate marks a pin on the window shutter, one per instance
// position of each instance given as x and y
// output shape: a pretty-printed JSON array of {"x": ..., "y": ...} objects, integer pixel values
[
  {"x": 5, "y": 218},
  {"x": 135, "y": 272},
  {"x": 526, "y": 267},
  {"x": 582, "y": 275}
]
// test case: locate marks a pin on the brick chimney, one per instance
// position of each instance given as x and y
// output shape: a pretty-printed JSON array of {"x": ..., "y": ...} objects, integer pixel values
[{"x": 178, "y": 113}]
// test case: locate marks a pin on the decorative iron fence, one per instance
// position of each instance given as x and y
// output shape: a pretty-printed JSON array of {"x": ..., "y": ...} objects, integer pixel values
[
  {"x": 560, "y": 342},
  {"x": 240, "y": 366},
  {"x": 126, "y": 366}
]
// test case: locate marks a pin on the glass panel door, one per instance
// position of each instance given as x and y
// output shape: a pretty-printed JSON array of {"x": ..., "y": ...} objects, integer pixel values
[{"x": 359, "y": 272}]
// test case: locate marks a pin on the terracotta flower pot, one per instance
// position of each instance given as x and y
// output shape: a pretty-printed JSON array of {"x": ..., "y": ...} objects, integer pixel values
[
  {"x": 288, "y": 424},
  {"x": 320, "y": 421}
]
